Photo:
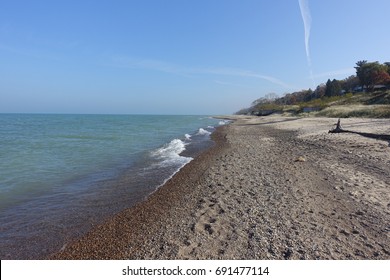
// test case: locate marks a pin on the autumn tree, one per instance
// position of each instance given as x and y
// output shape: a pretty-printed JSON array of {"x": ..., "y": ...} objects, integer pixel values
[
  {"x": 388, "y": 67},
  {"x": 388, "y": 70},
  {"x": 372, "y": 73}
]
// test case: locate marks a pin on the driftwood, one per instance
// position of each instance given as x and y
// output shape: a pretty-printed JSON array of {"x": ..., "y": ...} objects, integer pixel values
[{"x": 338, "y": 129}]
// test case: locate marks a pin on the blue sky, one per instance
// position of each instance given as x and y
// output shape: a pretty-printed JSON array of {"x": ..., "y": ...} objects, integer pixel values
[{"x": 178, "y": 56}]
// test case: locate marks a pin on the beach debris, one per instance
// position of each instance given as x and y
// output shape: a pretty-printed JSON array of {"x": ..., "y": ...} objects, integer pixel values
[
  {"x": 338, "y": 128},
  {"x": 300, "y": 159}
]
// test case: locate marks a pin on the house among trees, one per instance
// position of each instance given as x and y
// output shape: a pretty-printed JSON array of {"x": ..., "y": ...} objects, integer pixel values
[{"x": 370, "y": 76}]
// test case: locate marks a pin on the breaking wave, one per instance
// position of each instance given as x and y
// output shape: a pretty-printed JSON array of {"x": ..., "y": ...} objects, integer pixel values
[
  {"x": 169, "y": 154},
  {"x": 202, "y": 131}
]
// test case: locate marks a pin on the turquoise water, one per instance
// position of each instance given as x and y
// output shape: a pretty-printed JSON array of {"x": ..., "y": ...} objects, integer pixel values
[{"x": 61, "y": 174}]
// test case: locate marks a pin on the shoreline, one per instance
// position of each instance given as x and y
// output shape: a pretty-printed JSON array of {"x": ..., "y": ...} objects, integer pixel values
[
  {"x": 126, "y": 230},
  {"x": 250, "y": 197},
  {"x": 77, "y": 175}
]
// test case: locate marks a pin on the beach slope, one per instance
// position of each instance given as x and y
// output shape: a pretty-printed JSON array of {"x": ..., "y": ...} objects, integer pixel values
[{"x": 271, "y": 188}]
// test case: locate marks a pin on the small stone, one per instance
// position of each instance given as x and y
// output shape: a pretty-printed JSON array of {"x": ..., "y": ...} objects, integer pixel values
[{"x": 300, "y": 159}]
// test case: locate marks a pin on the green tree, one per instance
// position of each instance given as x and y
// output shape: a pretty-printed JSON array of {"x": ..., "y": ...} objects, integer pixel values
[
  {"x": 333, "y": 88},
  {"x": 361, "y": 72},
  {"x": 372, "y": 73},
  {"x": 348, "y": 84},
  {"x": 320, "y": 91},
  {"x": 328, "y": 88}
]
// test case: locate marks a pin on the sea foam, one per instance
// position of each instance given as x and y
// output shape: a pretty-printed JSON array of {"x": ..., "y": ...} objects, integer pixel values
[
  {"x": 170, "y": 153},
  {"x": 66, "y": 168},
  {"x": 202, "y": 131}
]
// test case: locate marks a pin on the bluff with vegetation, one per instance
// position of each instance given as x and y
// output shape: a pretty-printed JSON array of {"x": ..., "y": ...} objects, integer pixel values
[{"x": 365, "y": 94}]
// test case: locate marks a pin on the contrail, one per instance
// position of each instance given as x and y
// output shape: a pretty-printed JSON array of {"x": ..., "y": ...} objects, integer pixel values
[{"x": 305, "y": 12}]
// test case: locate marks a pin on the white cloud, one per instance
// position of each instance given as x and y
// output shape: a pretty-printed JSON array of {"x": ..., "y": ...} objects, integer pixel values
[
  {"x": 345, "y": 72},
  {"x": 246, "y": 73},
  {"x": 231, "y": 84},
  {"x": 156, "y": 65}
]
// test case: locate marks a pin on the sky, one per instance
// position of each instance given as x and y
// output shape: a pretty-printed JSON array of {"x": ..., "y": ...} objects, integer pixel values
[{"x": 178, "y": 56}]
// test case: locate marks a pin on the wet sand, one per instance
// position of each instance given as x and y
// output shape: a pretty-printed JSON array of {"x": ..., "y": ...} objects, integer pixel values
[{"x": 271, "y": 188}]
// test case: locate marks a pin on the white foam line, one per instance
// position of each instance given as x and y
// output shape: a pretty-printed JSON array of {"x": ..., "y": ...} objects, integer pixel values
[{"x": 171, "y": 176}]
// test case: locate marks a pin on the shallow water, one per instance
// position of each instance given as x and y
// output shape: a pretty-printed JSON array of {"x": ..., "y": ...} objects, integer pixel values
[{"x": 62, "y": 174}]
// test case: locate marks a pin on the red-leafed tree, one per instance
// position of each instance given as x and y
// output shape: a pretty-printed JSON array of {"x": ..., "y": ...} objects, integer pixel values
[
  {"x": 380, "y": 77},
  {"x": 371, "y": 74}
]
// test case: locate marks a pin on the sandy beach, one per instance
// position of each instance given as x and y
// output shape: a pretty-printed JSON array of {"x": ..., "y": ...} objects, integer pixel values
[{"x": 270, "y": 188}]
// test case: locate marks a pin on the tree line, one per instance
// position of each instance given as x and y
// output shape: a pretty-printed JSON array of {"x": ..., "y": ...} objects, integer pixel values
[{"x": 369, "y": 76}]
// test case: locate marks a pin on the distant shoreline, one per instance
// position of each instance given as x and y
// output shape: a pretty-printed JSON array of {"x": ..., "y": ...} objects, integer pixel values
[{"x": 271, "y": 188}]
